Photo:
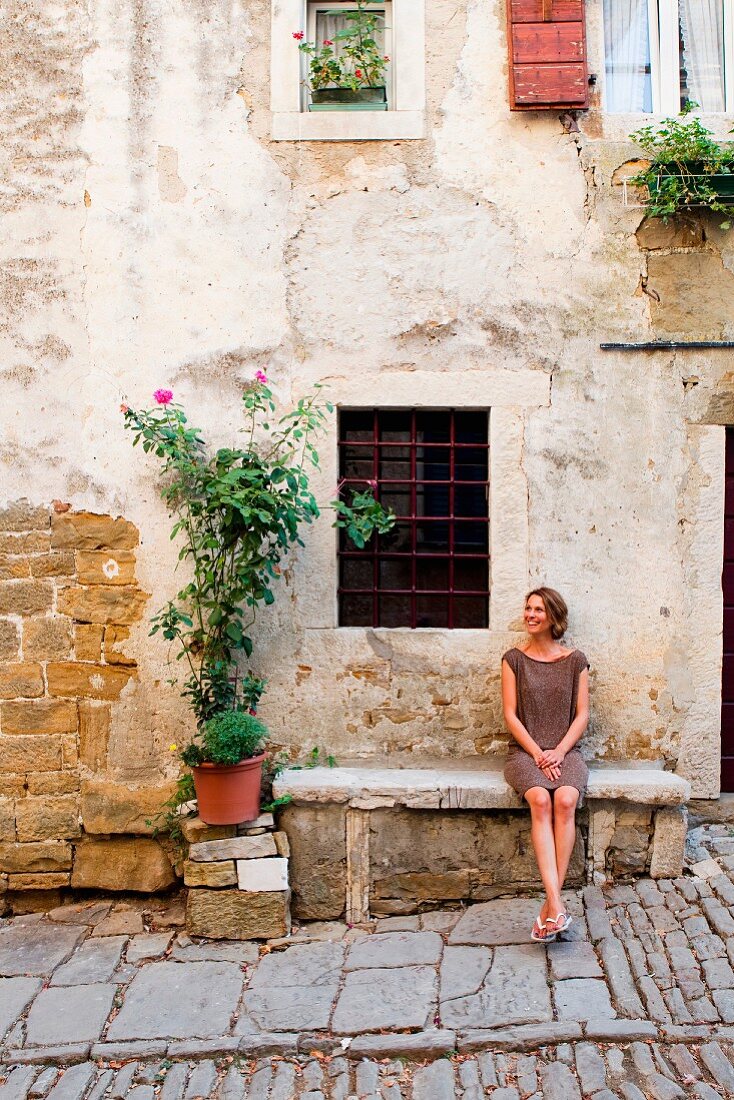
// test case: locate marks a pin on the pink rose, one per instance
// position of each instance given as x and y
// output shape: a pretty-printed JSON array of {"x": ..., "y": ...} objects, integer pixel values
[
  {"x": 163, "y": 397},
  {"x": 261, "y": 377}
]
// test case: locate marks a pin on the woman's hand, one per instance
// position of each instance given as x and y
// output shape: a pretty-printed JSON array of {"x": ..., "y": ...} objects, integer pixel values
[{"x": 551, "y": 758}]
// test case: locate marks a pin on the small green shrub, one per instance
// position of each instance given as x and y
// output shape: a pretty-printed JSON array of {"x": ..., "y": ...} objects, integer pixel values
[{"x": 226, "y": 739}]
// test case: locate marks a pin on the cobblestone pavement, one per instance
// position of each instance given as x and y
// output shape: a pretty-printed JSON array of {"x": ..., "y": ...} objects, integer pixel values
[{"x": 637, "y": 1001}]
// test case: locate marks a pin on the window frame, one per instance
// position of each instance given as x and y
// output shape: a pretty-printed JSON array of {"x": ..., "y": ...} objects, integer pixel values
[
  {"x": 663, "y": 16},
  {"x": 406, "y": 118},
  {"x": 375, "y": 555},
  {"x": 312, "y": 9}
]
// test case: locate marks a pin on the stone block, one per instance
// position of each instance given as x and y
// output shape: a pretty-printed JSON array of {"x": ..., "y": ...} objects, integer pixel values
[
  {"x": 138, "y": 864},
  {"x": 48, "y": 855},
  {"x": 30, "y": 754},
  {"x": 47, "y": 639},
  {"x": 210, "y": 874},
  {"x": 39, "y": 716},
  {"x": 88, "y": 641},
  {"x": 262, "y": 875},
  {"x": 12, "y": 786},
  {"x": 94, "y": 734},
  {"x": 13, "y": 568},
  {"x": 49, "y": 880},
  {"x": 109, "y": 807},
  {"x": 34, "y": 542},
  {"x": 263, "y": 821},
  {"x": 47, "y": 818},
  {"x": 282, "y": 845},
  {"x": 54, "y": 564},
  {"x": 25, "y": 597},
  {"x": 69, "y": 750},
  {"x": 115, "y": 636},
  {"x": 21, "y": 515},
  {"x": 7, "y": 818},
  {"x": 695, "y": 291},
  {"x": 679, "y": 233},
  {"x": 91, "y": 531},
  {"x": 234, "y": 915},
  {"x": 9, "y": 640},
  {"x": 669, "y": 840},
  {"x": 103, "y": 567},
  {"x": 32, "y": 901},
  {"x": 21, "y": 679},
  {"x": 240, "y": 847},
  {"x": 195, "y": 830},
  {"x": 102, "y": 603},
  {"x": 65, "y": 782},
  {"x": 318, "y": 861},
  {"x": 72, "y": 678}
]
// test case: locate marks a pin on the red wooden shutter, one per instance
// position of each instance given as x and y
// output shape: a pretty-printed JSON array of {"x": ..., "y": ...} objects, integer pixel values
[{"x": 547, "y": 54}]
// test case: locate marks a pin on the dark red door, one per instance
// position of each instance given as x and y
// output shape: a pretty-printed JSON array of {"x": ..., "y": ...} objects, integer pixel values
[{"x": 727, "y": 581}]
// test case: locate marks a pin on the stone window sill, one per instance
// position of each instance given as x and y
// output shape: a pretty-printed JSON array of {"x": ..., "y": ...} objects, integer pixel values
[{"x": 348, "y": 125}]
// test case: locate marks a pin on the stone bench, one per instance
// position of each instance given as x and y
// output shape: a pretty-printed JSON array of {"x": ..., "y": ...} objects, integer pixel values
[{"x": 362, "y": 788}]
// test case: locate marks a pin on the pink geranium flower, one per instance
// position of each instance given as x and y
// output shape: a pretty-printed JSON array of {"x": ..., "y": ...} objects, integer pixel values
[
  {"x": 261, "y": 377},
  {"x": 163, "y": 397},
  {"x": 298, "y": 35}
]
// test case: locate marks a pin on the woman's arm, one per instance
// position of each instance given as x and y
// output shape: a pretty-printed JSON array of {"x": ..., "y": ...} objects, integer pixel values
[
  {"x": 575, "y": 730},
  {"x": 517, "y": 729}
]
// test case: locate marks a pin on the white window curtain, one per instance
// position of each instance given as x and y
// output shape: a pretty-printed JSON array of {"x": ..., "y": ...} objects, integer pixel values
[
  {"x": 627, "y": 42},
  {"x": 329, "y": 23},
  {"x": 702, "y": 35}
]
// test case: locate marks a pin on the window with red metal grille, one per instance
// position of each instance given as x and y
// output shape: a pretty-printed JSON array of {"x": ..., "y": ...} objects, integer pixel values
[{"x": 431, "y": 466}]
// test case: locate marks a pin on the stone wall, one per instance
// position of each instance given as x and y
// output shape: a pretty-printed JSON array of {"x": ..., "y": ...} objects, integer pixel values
[{"x": 68, "y": 599}]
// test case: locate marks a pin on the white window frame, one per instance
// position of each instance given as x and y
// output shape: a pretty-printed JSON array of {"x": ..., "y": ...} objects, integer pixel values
[
  {"x": 312, "y": 9},
  {"x": 665, "y": 58},
  {"x": 404, "y": 120}
]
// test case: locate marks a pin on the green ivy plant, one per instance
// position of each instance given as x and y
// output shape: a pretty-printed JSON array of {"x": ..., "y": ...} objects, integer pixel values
[
  {"x": 685, "y": 161},
  {"x": 359, "y": 63},
  {"x": 237, "y": 512}
]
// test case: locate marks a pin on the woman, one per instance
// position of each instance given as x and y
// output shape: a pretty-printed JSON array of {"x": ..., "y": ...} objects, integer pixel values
[{"x": 545, "y": 698}]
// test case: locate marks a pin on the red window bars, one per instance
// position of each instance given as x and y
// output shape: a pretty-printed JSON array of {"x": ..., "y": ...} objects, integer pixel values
[{"x": 431, "y": 466}]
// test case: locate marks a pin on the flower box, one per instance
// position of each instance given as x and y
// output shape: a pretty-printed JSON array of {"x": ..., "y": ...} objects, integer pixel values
[
  {"x": 346, "y": 99},
  {"x": 701, "y": 186}
]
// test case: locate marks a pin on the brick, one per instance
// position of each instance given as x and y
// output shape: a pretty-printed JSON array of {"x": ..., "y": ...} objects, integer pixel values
[
  {"x": 210, "y": 874},
  {"x": 65, "y": 782},
  {"x": 51, "y": 880},
  {"x": 12, "y": 568},
  {"x": 47, "y": 639},
  {"x": 9, "y": 640},
  {"x": 39, "y": 716},
  {"x": 72, "y": 678},
  {"x": 88, "y": 641},
  {"x": 30, "y": 754},
  {"x": 36, "y": 542},
  {"x": 94, "y": 733},
  {"x": 51, "y": 855},
  {"x": 101, "y": 604},
  {"x": 103, "y": 567},
  {"x": 25, "y": 597},
  {"x": 21, "y": 515},
  {"x": 47, "y": 818},
  {"x": 54, "y": 564},
  {"x": 116, "y": 636},
  {"x": 92, "y": 531}
]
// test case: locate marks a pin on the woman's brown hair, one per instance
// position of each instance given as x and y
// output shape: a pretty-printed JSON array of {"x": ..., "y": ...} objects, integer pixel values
[{"x": 556, "y": 609}]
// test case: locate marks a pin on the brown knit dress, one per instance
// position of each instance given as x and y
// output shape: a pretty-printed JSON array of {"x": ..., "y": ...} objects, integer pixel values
[{"x": 547, "y": 692}]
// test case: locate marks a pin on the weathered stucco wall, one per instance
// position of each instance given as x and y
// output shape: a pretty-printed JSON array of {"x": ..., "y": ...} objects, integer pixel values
[{"x": 154, "y": 234}]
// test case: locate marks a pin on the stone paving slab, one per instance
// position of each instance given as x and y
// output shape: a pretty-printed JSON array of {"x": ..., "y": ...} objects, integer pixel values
[
  {"x": 35, "y": 947},
  {"x": 375, "y": 999},
  {"x": 496, "y": 922},
  {"x": 94, "y": 961},
  {"x": 15, "y": 995},
  {"x": 179, "y": 1001},
  {"x": 72, "y": 1014}
]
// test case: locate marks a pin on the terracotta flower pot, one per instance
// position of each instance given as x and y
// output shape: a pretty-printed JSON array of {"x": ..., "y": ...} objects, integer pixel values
[{"x": 229, "y": 795}]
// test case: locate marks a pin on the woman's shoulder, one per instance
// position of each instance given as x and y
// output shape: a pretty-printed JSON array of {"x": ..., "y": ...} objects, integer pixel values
[
  {"x": 511, "y": 657},
  {"x": 582, "y": 661}
]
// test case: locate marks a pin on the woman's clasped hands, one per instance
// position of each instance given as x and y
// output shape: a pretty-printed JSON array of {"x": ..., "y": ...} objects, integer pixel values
[{"x": 549, "y": 761}]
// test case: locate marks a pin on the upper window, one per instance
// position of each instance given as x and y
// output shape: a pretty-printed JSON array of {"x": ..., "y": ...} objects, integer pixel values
[
  {"x": 663, "y": 54},
  {"x": 432, "y": 468},
  {"x": 327, "y": 24}
]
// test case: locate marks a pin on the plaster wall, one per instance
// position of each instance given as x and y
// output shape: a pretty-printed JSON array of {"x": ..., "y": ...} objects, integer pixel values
[{"x": 156, "y": 235}]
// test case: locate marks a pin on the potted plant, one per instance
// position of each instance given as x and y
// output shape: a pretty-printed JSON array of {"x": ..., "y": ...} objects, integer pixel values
[
  {"x": 237, "y": 511},
  {"x": 687, "y": 167},
  {"x": 347, "y": 73}
]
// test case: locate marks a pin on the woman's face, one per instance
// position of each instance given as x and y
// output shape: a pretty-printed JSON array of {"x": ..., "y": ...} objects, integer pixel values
[{"x": 536, "y": 616}]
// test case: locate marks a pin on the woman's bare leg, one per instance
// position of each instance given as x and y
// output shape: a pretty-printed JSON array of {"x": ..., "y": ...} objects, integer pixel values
[
  {"x": 542, "y": 836},
  {"x": 565, "y": 800}
]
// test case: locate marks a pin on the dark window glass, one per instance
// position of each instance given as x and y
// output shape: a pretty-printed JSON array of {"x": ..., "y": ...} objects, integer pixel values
[{"x": 431, "y": 466}]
